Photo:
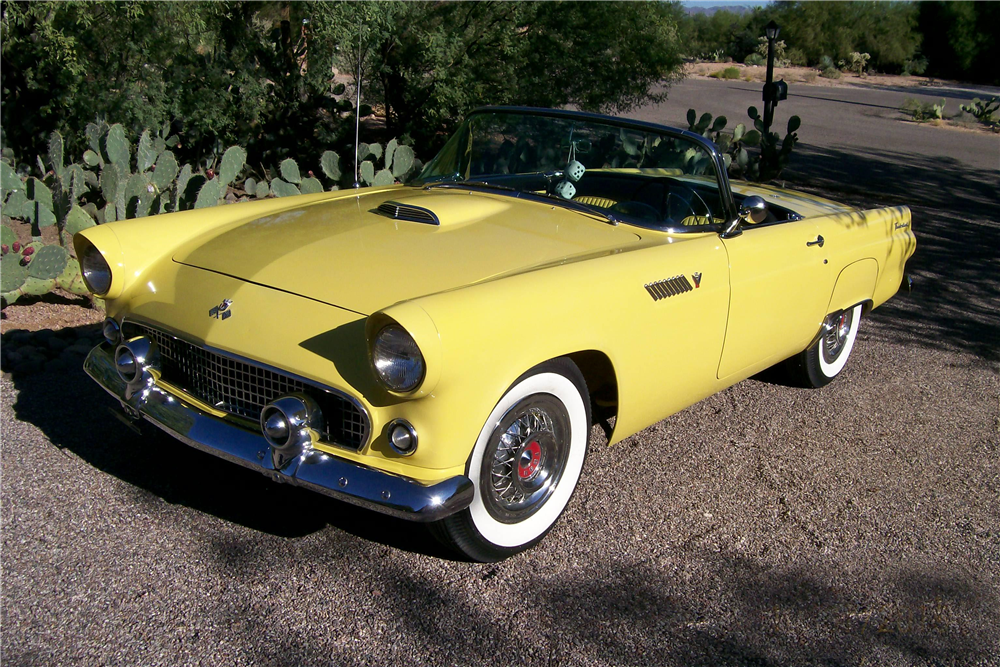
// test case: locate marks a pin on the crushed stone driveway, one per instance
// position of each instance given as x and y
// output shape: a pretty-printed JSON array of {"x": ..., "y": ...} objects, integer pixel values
[{"x": 857, "y": 524}]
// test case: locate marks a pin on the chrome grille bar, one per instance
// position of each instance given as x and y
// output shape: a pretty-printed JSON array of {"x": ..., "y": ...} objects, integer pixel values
[{"x": 242, "y": 388}]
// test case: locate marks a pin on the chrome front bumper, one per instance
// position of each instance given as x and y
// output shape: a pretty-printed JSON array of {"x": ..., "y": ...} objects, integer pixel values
[{"x": 351, "y": 482}]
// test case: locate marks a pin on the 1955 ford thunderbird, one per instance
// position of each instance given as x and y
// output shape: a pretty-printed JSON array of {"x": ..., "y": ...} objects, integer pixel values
[{"x": 438, "y": 351}]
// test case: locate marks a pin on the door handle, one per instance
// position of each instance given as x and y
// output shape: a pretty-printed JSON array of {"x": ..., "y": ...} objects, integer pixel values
[{"x": 818, "y": 241}]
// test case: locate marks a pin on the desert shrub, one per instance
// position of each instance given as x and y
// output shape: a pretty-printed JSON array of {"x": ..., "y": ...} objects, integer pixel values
[
  {"x": 859, "y": 62},
  {"x": 727, "y": 73},
  {"x": 915, "y": 66},
  {"x": 797, "y": 57},
  {"x": 830, "y": 73},
  {"x": 810, "y": 76},
  {"x": 825, "y": 63},
  {"x": 923, "y": 111},
  {"x": 755, "y": 59}
]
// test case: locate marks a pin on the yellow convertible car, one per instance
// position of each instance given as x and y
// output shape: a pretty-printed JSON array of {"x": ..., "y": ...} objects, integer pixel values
[{"x": 438, "y": 351}]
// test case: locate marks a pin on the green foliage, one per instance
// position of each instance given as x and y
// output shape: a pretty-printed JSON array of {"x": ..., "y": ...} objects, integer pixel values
[
  {"x": 780, "y": 60},
  {"x": 923, "y": 111},
  {"x": 960, "y": 40},
  {"x": 982, "y": 111},
  {"x": 727, "y": 73},
  {"x": 755, "y": 60},
  {"x": 762, "y": 165},
  {"x": 916, "y": 66},
  {"x": 830, "y": 73},
  {"x": 858, "y": 62},
  {"x": 430, "y": 63}
]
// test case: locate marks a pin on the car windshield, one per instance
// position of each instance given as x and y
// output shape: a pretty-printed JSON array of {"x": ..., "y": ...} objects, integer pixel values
[{"x": 630, "y": 172}]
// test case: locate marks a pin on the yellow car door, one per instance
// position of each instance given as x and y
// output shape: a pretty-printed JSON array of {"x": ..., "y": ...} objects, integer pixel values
[{"x": 780, "y": 284}]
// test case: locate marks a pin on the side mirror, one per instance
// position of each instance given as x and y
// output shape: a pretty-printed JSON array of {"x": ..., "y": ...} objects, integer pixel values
[{"x": 753, "y": 211}]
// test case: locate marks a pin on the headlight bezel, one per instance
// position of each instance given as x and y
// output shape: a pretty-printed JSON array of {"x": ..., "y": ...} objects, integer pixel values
[
  {"x": 402, "y": 346},
  {"x": 94, "y": 267}
]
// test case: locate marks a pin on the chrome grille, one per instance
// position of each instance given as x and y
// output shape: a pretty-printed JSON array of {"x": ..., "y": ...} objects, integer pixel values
[
  {"x": 409, "y": 212},
  {"x": 662, "y": 289},
  {"x": 243, "y": 389}
]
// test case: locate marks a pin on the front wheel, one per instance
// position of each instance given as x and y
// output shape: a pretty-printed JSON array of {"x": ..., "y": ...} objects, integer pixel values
[
  {"x": 525, "y": 464},
  {"x": 826, "y": 358}
]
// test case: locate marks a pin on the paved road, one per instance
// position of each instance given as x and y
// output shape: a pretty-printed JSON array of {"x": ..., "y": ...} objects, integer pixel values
[
  {"x": 857, "y": 138},
  {"x": 766, "y": 525}
]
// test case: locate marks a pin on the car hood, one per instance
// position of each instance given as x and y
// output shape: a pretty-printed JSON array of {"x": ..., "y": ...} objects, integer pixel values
[{"x": 345, "y": 253}]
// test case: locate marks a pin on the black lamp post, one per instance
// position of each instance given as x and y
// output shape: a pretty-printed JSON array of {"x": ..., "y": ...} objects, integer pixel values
[{"x": 773, "y": 91}]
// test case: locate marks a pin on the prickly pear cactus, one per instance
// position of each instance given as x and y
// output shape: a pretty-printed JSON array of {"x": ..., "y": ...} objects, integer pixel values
[
  {"x": 71, "y": 279},
  {"x": 233, "y": 161},
  {"x": 402, "y": 161},
  {"x": 311, "y": 185},
  {"x": 280, "y": 188},
  {"x": 330, "y": 163},
  {"x": 290, "y": 171},
  {"x": 48, "y": 262}
]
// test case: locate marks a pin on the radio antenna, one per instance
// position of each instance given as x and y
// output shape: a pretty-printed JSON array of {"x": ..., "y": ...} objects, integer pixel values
[{"x": 357, "y": 114}]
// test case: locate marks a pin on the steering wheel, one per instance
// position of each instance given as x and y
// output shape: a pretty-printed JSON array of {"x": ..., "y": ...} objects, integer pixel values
[{"x": 686, "y": 201}]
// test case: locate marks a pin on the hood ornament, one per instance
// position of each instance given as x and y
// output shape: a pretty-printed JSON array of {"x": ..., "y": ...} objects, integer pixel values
[
  {"x": 697, "y": 279},
  {"x": 222, "y": 312}
]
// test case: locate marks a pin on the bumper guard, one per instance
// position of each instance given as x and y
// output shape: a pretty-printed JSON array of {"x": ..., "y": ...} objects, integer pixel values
[{"x": 350, "y": 482}]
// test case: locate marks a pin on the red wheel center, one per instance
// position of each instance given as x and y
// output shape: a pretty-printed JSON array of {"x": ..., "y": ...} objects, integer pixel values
[{"x": 528, "y": 462}]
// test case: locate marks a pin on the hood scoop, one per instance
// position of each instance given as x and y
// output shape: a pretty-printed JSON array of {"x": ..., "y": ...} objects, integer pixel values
[{"x": 400, "y": 211}]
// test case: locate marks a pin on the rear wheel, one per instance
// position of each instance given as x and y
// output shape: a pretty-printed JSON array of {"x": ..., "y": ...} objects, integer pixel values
[
  {"x": 826, "y": 358},
  {"x": 525, "y": 464}
]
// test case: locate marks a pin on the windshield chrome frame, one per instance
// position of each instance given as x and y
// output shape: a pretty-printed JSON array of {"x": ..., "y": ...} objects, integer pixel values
[{"x": 721, "y": 175}]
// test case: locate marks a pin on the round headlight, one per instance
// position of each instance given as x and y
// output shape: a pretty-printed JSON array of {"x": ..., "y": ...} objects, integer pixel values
[
  {"x": 397, "y": 359},
  {"x": 95, "y": 270}
]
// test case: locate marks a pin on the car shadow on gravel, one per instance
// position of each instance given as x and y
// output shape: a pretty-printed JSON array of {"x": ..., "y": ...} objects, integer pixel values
[
  {"x": 954, "y": 303},
  {"x": 160, "y": 467}
]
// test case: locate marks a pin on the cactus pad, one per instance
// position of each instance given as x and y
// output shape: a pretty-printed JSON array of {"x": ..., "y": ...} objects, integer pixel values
[
  {"x": 250, "y": 186},
  {"x": 109, "y": 182},
  {"x": 49, "y": 261},
  {"x": 390, "y": 150},
  {"x": 56, "y": 152},
  {"x": 166, "y": 171},
  {"x": 375, "y": 151},
  {"x": 311, "y": 186},
  {"x": 262, "y": 190},
  {"x": 12, "y": 274},
  {"x": 116, "y": 147},
  {"x": 280, "y": 188},
  {"x": 38, "y": 286},
  {"x": 383, "y": 178},
  {"x": 209, "y": 194},
  {"x": 7, "y": 235},
  {"x": 71, "y": 280},
  {"x": 77, "y": 220},
  {"x": 367, "y": 172},
  {"x": 290, "y": 172},
  {"x": 233, "y": 161},
  {"x": 402, "y": 161},
  {"x": 145, "y": 154},
  {"x": 330, "y": 163},
  {"x": 9, "y": 180}
]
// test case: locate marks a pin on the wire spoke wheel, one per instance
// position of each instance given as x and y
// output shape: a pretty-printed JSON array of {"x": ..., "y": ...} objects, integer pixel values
[{"x": 525, "y": 458}]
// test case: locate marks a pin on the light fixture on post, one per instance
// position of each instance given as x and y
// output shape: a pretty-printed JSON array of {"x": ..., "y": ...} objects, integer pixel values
[{"x": 773, "y": 92}]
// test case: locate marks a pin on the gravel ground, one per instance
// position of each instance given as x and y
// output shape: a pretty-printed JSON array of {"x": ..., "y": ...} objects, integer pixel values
[{"x": 852, "y": 525}]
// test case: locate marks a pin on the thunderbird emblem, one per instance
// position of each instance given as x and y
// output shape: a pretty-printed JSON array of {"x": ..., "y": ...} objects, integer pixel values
[
  {"x": 697, "y": 279},
  {"x": 222, "y": 312}
]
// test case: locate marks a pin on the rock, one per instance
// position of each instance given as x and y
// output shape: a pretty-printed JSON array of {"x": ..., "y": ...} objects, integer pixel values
[
  {"x": 20, "y": 337},
  {"x": 57, "y": 365},
  {"x": 26, "y": 367},
  {"x": 57, "y": 344},
  {"x": 42, "y": 336}
]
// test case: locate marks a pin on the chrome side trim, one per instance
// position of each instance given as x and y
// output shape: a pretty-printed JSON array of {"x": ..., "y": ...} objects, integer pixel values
[
  {"x": 344, "y": 480},
  {"x": 274, "y": 369},
  {"x": 662, "y": 289}
]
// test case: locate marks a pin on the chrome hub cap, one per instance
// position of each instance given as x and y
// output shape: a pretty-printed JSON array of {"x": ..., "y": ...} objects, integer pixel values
[
  {"x": 525, "y": 458},
  {"x": 836, "y": 335}
]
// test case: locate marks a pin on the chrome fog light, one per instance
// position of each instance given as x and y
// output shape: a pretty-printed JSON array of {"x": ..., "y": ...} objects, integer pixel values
[
  {"x": 288, "y": 421},
  {"x": 112, "y": 332},
  {"x": 126, "y": 364},
  {"x": 136, "y": 356},
  {"x": 402, "y": 437}
]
